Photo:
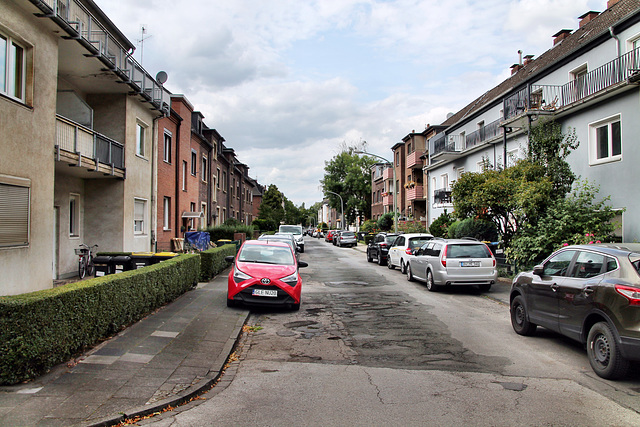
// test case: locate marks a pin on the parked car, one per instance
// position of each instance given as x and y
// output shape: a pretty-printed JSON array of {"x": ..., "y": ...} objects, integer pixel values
[
  {"x": 346, "y": 238},
  {"x": 378, "y": 248},
  {"x": 283, "y": 237},
  {"x": 441, "y": 262},
  {"x": 589, "y": 293},
  {"x": 265, "y": 272},
  {"x": 296, "y": 230},
  {"x": 329, "y": 236},
  {"x": 404, "y": 247}
]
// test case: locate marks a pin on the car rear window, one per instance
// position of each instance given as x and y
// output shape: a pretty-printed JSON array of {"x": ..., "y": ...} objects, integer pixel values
[
  {"x": 467, "y": 251},
  {"x": 347, "y": 234},
  {"x": 390, "y": 239},
  {"x": 416, "y": 242}
]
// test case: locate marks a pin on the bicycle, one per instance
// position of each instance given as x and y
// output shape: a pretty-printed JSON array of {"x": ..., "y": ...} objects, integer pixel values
[{"x": 85, "y": 260}]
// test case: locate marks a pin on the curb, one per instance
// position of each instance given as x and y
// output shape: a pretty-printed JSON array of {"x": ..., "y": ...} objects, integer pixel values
[{"x": 188, "y": 394}]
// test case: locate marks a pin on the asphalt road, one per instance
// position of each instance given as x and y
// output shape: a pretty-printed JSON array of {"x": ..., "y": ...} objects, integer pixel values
[{"x": 369, "y": 348}]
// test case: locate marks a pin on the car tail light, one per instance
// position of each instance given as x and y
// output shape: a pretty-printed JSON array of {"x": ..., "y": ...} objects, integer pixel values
[
  {"x": 494, "y": 261},
  {"x": 408, "y": 251},
  {"x": 383, "y": 244},
  {"x": 630, "y": 293},
  {"x": 443, "y": 260}
]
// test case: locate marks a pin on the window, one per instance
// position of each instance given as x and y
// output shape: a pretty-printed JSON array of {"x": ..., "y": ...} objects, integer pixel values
[
  {"x": 194, "y": 162},
  {"x": 397, "y": 158},
  {"x": 578, "y": 76},
  {"x": 74, "y": 215},
  {"x": 14, "y": 211},
  {"x": 512, "y": 157},
  {"x": 184, "y": 175},
  {"x": 445, "y": 181},
  {"x": 139, "y": 213},
  {"x": 166, "y": 222},
  {"x": 224, "y": 181},
  {"x": 218, "y": 175},
  {"x": 204, "y": 169},
  {"x": 588, "y": 264},
  {"x": 140, "y": 139},
  {"x": 459, "y": 172},
  {"x": 203, "y": 209},
  {"x": 605, "y": 141},
  {"x": 558, "y": 265},
  {"x": 167, "y": 147},
  {"x": 12, "y": 68}
]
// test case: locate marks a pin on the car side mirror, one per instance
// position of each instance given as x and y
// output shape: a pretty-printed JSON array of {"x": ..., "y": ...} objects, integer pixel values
[
  {"x": 302, "y": 264},
  {"x": 538, "y": 270},
  {"x": 229, "y": 258}
]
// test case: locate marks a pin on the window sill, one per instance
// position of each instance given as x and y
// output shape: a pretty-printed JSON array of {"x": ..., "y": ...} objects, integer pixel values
[{"x": 606, "y": 160}]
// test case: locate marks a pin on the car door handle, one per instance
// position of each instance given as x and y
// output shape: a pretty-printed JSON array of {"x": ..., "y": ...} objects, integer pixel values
[
  {"x": 554, "y": 287},
  {"x": 589, "y": 290}
]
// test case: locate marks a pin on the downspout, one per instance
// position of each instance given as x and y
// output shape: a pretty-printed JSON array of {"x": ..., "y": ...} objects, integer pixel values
[
  {"x": 615, "y": 37},
  {"x": 154, "y": 177},
  {"x": 178, "y": 162}
]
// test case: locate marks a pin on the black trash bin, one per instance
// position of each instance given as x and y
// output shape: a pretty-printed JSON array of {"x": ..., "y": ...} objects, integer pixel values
[
  {"x": 102, "y": 265},
  {"x": 141, "y": 259},
  {"x": 121, "y": 263}
]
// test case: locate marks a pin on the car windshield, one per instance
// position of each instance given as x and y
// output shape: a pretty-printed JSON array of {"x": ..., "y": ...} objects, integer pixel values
[
  {"x": 390, "y": 239},
  {"x": 266, "y": 255},
  {"x": 416, "y": 242},
  {"x": 293, "y": 229},
  {"x": 467, "y": 251}
]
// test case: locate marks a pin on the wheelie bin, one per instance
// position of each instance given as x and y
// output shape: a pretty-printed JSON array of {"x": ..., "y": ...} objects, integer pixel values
[
  {"x": 121, "y": 263},
  {"x": 102, "y": 265},
  {"x": 162, "y": 256},
  {"x": 141, "y": 259}
]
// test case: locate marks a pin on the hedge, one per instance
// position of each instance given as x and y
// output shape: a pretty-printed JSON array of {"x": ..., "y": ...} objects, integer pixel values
[
  {"x": 41, "y": 329},
  {"x": 212, "y": 261}
]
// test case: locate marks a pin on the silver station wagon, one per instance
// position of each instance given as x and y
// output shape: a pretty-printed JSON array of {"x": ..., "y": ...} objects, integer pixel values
[{"x": 442, "y": 262}]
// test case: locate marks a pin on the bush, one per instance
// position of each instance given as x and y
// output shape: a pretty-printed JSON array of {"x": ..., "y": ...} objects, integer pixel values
[
  {"x": 41, "y": 329},
  {"x": 264, "y": 224},
  {"x": 440, "y": 225},
  {"x": 472, "y": 227},
  {"x": 369, "y": 226},
  {"x": 385, "y": 222},
  {"x": 212, "y": 261},
  {"x": 227, "y": 231},
  {"x": 411, "y": 227}
]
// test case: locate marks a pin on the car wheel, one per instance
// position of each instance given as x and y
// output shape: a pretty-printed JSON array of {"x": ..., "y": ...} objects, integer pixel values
[
  {"x": 403, "y": 267},
  {"x": 485, "y": 287},
  {"x": 409, "y": 273},
  {"x": 431, "y": 286},
  {"x": 604, "y": 353},
  {"x": 295, "y": 307},
  {"x": 520, "y": 318},
  {"x": 380, "y": 259},
  {"x": 231, "y": 303},
  {"x": 302, "y": 249},
  {"x": 390, "y": 265},
  {"x": 369, "y": 258}
]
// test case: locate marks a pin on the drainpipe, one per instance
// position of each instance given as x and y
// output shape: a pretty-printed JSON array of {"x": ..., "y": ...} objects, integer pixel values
[
  {"x": 615, "y": 37},
  {"x": 177, "y": 219},
  {"x": 154, "y": 177}
]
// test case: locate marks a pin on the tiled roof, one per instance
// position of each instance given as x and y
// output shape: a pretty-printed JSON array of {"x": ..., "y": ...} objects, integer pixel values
[{"x": 592, "y": 30}]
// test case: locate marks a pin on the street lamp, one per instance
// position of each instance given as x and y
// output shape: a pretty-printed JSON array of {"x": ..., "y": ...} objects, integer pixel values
[
  {"x": 341, "y": 208},
  {"x": 395, "y": 191}
]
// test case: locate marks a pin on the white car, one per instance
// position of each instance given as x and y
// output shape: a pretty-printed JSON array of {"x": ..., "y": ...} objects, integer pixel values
[
  {"x": 296, "y": 230},
  {"x": 403, "y": 248}
]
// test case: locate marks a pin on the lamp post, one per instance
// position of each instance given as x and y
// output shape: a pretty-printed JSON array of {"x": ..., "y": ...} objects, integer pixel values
[
  {"x": 395, "y": 191},
  {"x": 341, "y": 208}
]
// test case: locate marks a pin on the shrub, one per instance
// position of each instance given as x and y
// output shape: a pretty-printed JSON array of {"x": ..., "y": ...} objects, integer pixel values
[
  {"x": 264, "y": 224},
  {"x": 385, "y": 222},
  {"x": 369, "y": 226},
  {"x": 472, "y": 227},
  {"x": 41, "y": 329},
  {"x": 440, "y": 225},
  {"x": 411, "y": 227},
  {"x": 212, "y": 261},
  {"x": 227, "y": 231}
]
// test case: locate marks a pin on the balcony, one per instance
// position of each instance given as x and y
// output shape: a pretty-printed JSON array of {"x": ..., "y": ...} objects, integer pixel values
[
  {"x": 620, "y": 71},
  {"x": 82, "y": 26},
  {"x": 387, "y": 174},
  {"x": 414, "y": 160},
  {"x": 442, "y": 196},
  {"x": 387, "y": 200},
  {"x": 485, "y": 133},
  {"x": 82, "y": 147},
  {"x": 445, "y": 147},
  {"x": 415, "y": 193}
]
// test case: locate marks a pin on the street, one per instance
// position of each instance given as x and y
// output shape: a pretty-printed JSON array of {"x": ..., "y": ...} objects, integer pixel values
[{"x": 369, "y": 348}]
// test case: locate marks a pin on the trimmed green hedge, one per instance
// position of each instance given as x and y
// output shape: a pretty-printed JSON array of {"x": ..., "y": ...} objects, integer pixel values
[
  {"x": 41, "y": 329},
  {"x": 212, "y": 261}
]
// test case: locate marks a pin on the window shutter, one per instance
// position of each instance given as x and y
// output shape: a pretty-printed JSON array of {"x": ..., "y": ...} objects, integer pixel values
[{"x": 14, "y": 215}]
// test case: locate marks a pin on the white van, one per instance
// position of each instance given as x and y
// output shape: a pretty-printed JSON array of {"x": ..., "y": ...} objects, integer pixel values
[{"x": 296, "y": 230}]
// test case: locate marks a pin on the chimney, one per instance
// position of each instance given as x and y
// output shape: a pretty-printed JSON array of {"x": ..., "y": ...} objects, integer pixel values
[
  {"x": 527, "y": 59},
  {"x": 515, "y": 68},
  {"x": 560, "y": 35},
  {"x": 611, "y": 3},
  {"x": 584, "y": 19}
]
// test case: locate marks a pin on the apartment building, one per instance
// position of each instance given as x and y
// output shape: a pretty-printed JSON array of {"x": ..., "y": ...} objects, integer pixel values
[
  {"x": 377, "y": 190},
  {"x": 77, "y": 119},
  {"x": 587, "y": 82}
]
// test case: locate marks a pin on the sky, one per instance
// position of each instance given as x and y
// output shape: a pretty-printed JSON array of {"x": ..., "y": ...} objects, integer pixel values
[{"x": 287, "y": 83}]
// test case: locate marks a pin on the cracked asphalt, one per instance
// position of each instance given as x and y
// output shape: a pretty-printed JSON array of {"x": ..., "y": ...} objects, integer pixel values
[{"x": 369, "y": 348}]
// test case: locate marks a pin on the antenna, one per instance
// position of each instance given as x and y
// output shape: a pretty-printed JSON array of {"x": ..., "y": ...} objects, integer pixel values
[{"x": 143, "y": 31}]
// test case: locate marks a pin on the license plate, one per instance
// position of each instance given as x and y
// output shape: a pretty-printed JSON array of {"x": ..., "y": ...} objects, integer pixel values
[
  {"x": 265, "y": 293},
  {"x": 470, "y": 264}
]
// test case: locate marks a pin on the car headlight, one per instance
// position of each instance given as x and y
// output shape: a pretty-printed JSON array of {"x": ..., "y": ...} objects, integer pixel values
[
  {"x": 291, "y": 280},
  {"x": 239, "y": 276}
]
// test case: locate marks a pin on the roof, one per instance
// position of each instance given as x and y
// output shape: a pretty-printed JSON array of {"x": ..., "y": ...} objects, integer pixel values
[{"x": 595, "y": 31}]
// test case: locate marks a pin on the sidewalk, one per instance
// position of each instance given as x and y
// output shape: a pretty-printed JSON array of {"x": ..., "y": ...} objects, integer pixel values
[{"x": 164, "y": 359}]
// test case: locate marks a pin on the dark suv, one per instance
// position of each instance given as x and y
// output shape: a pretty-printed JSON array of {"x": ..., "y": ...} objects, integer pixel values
[
  {"x": 590, "y": 293},
  {"x": 378, "y": 248}
]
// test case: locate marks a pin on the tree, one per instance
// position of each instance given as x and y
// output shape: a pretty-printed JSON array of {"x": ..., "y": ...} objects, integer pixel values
[
  {"x": 349, "y": 175},
  {"x": 441, "y": 224},
  {"x": 385, "y": 222}
]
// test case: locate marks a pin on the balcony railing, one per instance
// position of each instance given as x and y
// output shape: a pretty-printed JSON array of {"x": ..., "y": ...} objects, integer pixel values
[
  {"x": 77, "y": 139},
  {"x": 485, "y": 133},
  {"x": 442, "y": 195},
  {"x": 387, "y": 200},
  {"x": 82, "y": 26},
  {"x": 552, "y": 97},
  {"x": 415, "y": 193},
  {"x": 414, "y": 160},
  {"x": 443, "y": 143},
  {"x": 388, "y": 173}
]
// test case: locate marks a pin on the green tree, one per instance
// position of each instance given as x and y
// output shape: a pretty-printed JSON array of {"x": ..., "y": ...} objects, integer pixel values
[
  {"x": 441, "y": 224},
  {"x": 385, "y": 222},
  {"x": 349, "y": 175}
]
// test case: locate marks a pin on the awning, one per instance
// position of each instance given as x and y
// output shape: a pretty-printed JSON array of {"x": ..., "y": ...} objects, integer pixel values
[{"x": 192, "y": 215}]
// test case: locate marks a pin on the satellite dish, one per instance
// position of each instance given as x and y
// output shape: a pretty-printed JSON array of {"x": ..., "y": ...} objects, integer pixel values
[
  {"x": 448, "y": 115},
  {"x": 161, "y": 77}
]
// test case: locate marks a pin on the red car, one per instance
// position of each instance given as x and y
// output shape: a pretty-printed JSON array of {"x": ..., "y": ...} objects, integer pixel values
[
  {"x": 265, "y": 272},
  {"x": 330, "y": 235}
]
